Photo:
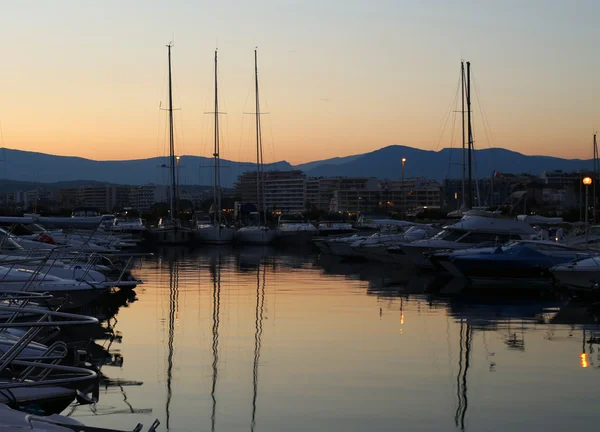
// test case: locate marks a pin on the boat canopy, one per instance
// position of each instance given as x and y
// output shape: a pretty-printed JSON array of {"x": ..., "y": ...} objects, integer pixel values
[
  {"x": 539, "y": 220},
  {"x": 494, "y": 225}
]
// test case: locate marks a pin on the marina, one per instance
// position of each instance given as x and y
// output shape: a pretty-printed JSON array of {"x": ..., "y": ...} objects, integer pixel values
[
  {"x": 312, "y": 331},
  {"x": 302, "y": 216},
  {"x": 253, "y": 337}
]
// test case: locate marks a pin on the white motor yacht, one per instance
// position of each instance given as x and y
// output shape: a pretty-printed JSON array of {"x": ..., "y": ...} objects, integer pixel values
[
  {"x": 292, "y": 228},
  {"x": 468, "y": 232},
  {"x": 129, "y": 225},
  {"x": 12, "y": 420},
  {"x": 581, "y": 274},
  {"x": 79, "y": 292},
  {"x": 375, "y": 247},
  {"x": 331, "y": 228}
]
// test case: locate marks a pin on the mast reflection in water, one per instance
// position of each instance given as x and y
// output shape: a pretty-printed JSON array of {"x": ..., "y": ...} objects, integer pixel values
[
  {"x": 260, "y": 306},
  {"x": 466, "y": 340},
  {"x": 335, "y": 360},
  {"x": 215, "y": 270},
  {"x": 173, "y": 307}
]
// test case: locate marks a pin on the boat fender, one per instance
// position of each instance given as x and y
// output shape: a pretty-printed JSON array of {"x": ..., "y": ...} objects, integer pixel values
[{"x": 45, "y": 238}]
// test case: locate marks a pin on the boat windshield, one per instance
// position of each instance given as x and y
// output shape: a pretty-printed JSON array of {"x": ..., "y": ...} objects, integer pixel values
[
  {"x": 448, "y": 235},
  {"x": 7, "y": 243},
  {"x": 203, "y": 220}
]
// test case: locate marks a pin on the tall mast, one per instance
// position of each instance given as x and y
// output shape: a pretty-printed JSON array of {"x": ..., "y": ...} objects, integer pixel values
[
  {"x": 462, "y": 110},
  {"x": 260, "y": 187},
  {"x": 470, "y": 134},
  {"x": 217, "y": 167},
  {"x": 174, "y": 198},
  {"x": 595, "y": 178}
]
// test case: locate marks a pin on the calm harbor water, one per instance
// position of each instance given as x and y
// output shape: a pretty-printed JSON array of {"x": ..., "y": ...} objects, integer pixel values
[{"x": 260, "y": 340}]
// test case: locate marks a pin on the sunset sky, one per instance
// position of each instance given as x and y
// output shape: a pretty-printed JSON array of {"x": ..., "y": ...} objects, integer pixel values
[{"x": 337, "y": 78}]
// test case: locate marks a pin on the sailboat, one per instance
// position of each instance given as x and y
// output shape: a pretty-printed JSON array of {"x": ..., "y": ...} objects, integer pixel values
[
  {"x": 170, "y": 230},
  {"x": 215, "y": 232},
  {"x": 259, "y": 233},
  {"x": 466, "y": 193}
]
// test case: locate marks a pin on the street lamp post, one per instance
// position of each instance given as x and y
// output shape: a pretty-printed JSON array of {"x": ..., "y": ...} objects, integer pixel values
[
  {"x": 403, "y": 189},
  {"x": 587, "y": 181},
  {"x": 178, "y": 158}
]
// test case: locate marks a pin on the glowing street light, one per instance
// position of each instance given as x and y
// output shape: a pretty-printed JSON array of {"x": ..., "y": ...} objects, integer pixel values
[{"x": 587, "y": 181}]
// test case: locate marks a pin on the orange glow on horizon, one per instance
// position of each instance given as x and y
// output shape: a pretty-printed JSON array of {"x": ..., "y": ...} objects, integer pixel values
[{"x": 330, "y": 90}]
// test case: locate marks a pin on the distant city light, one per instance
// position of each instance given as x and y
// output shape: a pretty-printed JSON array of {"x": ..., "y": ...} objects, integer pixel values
[
  {"x": 587, "y": 181},
  {"x": 584, "y": 360}
]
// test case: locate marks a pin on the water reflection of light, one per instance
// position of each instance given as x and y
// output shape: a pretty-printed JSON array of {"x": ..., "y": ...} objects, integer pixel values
[
  {"x": 401, "y": 317},
  {"x": 584, "y": 360}
]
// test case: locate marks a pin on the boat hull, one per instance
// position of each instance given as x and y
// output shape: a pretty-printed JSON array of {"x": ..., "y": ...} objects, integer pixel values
[
  {"x": 495, "y": 269},
  {"x": 296, "y": 236},
  {"x": 214, "y": 235},
  {"x": 588, "y": 280},
  {"x": 334, "y": 232},
  {"x": 171, "y": 236},
  {"x": 255, "y": 235}
]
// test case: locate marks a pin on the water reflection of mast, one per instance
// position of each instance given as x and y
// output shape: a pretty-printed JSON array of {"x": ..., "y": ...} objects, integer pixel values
[
  {"x": 173, "y": 306},
  {"x": 258, "y": 322},
  {"x": 466, "y": 340},
  {"x": 216, "y": 276}
]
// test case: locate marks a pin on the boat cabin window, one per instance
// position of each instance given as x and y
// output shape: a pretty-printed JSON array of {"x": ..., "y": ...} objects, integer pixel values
[{"x": 85, "y": 212}]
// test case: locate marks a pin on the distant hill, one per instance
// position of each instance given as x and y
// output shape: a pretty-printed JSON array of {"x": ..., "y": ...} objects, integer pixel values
[
  {"x": 35, "y": 168},
  {"x": 45, "y": 168},
  {"x": 446, "y": 163},
  {"x": 333, "y": 161}
]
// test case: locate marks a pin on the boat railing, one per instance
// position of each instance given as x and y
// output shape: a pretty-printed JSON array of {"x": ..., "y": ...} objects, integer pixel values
[
  {"x": 17, "y": 300},
  {"x": 73, "y": 374},
  {"x": 35, "y": 320},
  {"x": 41, "y": 263},
  {"x": 55, "y": 354},
  {"x": 30, "y": 418}
]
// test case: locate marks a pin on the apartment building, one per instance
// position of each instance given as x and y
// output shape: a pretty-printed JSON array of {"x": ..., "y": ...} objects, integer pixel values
[
  {"x": 391, "y": 195},
  {"x": 284, "y": 190}
]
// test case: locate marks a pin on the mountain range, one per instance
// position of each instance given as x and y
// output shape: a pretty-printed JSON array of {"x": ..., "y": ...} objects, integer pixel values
[{"x": 35, "y": 167}]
